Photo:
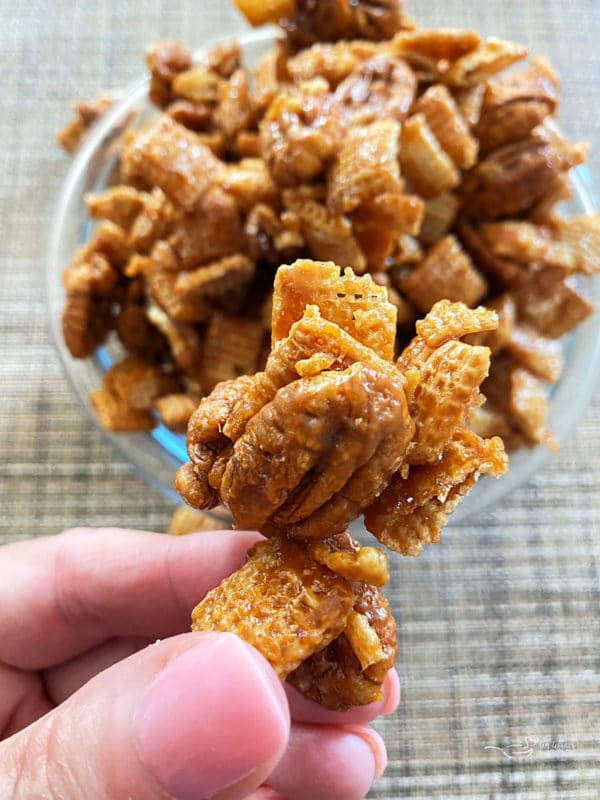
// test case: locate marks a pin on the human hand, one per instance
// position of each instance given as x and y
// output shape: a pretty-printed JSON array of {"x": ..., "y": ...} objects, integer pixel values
[{"x": 89, "y": 710}]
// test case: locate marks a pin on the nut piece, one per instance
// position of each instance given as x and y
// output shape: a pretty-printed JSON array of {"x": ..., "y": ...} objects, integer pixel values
[
  {"x": 208, "y": 445},
  {"x": 330, "y": 20},
  {"x": 281, "y": 602},
  {"x": 303, "y": 458},
  {"x": 378, "y": 89}
]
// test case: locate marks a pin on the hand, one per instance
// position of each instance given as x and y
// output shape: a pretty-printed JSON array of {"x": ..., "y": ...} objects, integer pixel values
[{"x": 100, "y": 698}]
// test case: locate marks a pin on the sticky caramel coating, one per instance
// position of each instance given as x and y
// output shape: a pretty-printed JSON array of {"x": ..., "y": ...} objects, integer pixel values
[
  {"x": 356, "y": 304},
  {"x": 281, "y": 602},
  {"x": 333, "y": 677},
  {"x": 298, "y": 455},
  {"x": 413, "y": 510}
]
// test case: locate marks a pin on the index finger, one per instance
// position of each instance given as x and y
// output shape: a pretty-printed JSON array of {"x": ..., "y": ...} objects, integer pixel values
[{"x": 61, "y": 595}]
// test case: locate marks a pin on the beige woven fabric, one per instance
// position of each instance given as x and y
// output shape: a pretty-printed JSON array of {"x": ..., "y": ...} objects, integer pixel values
[{"x": 499, "y": 626}]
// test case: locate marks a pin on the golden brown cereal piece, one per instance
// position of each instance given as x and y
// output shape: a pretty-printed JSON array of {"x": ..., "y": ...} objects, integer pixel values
[
  {"x": 448, "y": 388},
  {"x": 383, "y": 226},
  {"x": 184, "y": 340},
  {"x": 115, "y": 415},
  {"x": 487, "y": 422},
  {"x": 329, "y": 237},
  {"x": 551, "y": 302},
  {"x": 236, "y": 111},
  {"x": 269, "y": 74},
  {"x": 87, "y": 316},
  {"x": 489, "y": 58},
  {"x": 447, "y": 125},
  {"x": 197, "y": 86},
  {"x": 505, "y": 308},
  {"x": 446, "y": 320},
  {"x": 581, "y": 235},
  {"x": 138, "y": 335},
  {"x": 247, "y": 144},
  {"x": 165, "y": 60},
  {"x": 366, "y": 564},
  {"x": 299, "y": 456},
  {"x": 154, "y": 221},
  {"x": 500, "y": 270},
  {"x": 365, "y": 168},
  {"x": 250, "y": 183},
  {"x": 512, "y": 122},
  {"x": 541, "y": 356},
  {"x": 412, "y": 511},
  {"x": 511, "y": 179},
  {"x": 167, "y": 155},
  {"x": 469, "y": 102},
  {"x": 214, "y": 279},
  {"x": 86, "y": 322},
  {"x": 354, "y": 303},
  {"x": 439, "y": 216},
  {"x": 300, "y": 132},
  {"x": 544, "y": 212},
  {"x": 407, "y": 252},
  {"x": 223, "y": 58},
  {"x": 261, "y": 12},
  {"x": 87, "y": 112},
  {"x": 138, "y": 383},
  {"x": 520, "y": 396},
  {"x": 212, "y": 232},
  {"x": 334, "y": 677},
  {"x": 313, "y": 345},
  {"x": 446, "y": 272},
  {"x": 425, "y": 165},
  {"x": 383, "y": 87},
  {"x": 109, "y": 241},
  {"x": 272, "y": 237},
  {"x": 197, "y": 117},
  {"x": 231, "y": 349},
  {"x": 526, "y": 243},
  {"x": 334, "y": 62},
  {"x": 537, "y": 83},
  {"x": 431, "y": 52},
  {"x": 180, "y": 308},
  {"x": 186, "y": 520},
  {"x": 175, "y": 410},
  {"x": 119, "y": 204},
  {"x": 281, "y": 602}
]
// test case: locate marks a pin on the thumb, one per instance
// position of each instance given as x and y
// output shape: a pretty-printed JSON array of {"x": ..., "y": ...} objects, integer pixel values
[{"x": 198, "y": 716}]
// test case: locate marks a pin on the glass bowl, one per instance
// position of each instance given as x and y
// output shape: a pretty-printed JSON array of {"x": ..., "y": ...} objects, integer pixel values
[{"x": 158, "y": 454}]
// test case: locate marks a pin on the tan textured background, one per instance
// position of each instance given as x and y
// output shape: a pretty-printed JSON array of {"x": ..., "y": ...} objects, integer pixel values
[{"x": 500, "y": 625}]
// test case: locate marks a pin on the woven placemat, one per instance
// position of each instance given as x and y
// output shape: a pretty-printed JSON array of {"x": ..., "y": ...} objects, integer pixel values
[{"x": 499, "y": 625}]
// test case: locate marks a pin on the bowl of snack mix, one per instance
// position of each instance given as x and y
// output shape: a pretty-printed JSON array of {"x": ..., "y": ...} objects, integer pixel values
[{"x": 426, "y": 158}]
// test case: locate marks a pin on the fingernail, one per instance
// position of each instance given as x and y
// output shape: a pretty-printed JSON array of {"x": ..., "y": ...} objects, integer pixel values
[
  {"x": 392, "y": 693},
  {"x": 373, "y": 741},
  {"x": 212, "y": 717}
]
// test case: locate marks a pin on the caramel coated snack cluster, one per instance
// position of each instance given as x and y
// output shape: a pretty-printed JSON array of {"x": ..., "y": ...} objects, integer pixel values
[
  {"x": 358, "y": 138},
  {"x": 331, "y": 429}
]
